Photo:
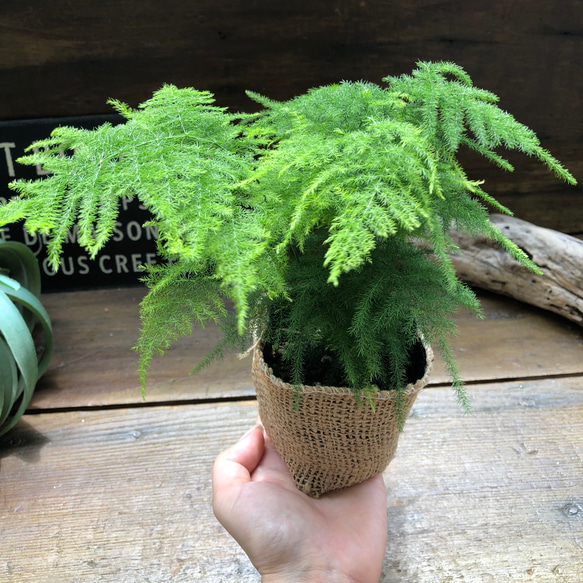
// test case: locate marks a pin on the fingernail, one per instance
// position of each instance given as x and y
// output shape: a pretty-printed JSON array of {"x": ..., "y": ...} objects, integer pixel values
[{"x": 248, "y": 432}]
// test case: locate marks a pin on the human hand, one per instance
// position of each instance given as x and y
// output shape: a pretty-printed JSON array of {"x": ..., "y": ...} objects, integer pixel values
[{"x": 289, "y": 536}]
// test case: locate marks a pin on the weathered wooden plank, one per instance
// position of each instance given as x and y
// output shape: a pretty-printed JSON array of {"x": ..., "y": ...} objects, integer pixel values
[
  {"x": 497, "y": 491},
  {"x": 94, "y": 365},
  {"x": 514, "y": 340},
  {"x": 531, "y": 192},
  {"x": 65, "y": 60},
  {"x": 82, "y": 56},
  {"x": 117, "y": 496},
  {"x": 562, "y": 211},
  {"x": 124, "y": 495}
]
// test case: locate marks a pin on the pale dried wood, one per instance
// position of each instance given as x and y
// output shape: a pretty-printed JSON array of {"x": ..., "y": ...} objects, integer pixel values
[
  {"x": 560, "y": 257},
  {"x": 124, "y": 495}
]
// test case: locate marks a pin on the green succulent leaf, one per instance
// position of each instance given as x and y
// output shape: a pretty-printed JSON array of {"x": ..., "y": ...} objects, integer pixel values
[
  {"x": 20, "y": 263},
  {"x": 17, "y": 336},
  {"x": 8, "y": 382},
  {"x": 20, "y": 310}
]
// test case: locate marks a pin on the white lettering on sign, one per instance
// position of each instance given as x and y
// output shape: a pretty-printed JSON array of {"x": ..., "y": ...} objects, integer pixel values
[
  {"x": 72, "y": 235},
  {"x": 125, "y": 201},
  {"x": 4, "y": 234},
  {"x": 107, "y": 264},
  {"x": 9, "y": 163},
  {"x": 29, "y": 240},
  {"x": 136, "y": 262},
  {"x": 83, "y": 267},
  {"x": 102, "y": 267},
  {"x": 47, "y": 268},
  {"x": 117, "y": 232},
  {"x": 36, "y": 240},
  {"x": 133, "y": 231},
  {"x": 151, "y": 233},
  {"x": 121, "y": 264},
  {"x": 69, "y": 266}
]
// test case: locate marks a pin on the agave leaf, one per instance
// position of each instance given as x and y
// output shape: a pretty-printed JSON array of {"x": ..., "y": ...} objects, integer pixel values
[
  {"x": 18, "y": 337},
  {"x": 19, "y": 263}
]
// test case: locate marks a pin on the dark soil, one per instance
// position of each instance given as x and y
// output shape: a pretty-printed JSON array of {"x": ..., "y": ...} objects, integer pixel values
[{"x": 323, "y": 370}]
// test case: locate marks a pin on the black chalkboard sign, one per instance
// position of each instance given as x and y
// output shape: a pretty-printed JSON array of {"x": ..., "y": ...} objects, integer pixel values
[{"x": 119, "y": 262}]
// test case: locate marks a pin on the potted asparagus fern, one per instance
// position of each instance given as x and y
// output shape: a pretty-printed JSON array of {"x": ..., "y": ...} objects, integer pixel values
[{"x": 323, "y": 221}]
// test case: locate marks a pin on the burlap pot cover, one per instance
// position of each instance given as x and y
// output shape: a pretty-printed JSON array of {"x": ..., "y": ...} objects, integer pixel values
[{"x": 330, "y": 442}]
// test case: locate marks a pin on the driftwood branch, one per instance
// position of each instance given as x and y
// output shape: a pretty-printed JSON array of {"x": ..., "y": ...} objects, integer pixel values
[{"x": 483, "y": 264}]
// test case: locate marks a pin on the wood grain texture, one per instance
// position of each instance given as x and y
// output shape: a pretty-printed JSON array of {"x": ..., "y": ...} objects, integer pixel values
[
  {"x": 93, "y": 364},
  {"x": 62, "y": 58},
  {"x": 559, "y": 288},
  {"x": 531, "y": 192},
  {"x": 84, "y": 52},
  {"x": 514, "y": 340},
  {"x": 118, "y": 496},
  {"x": 124, "y": 496},
  {"x": 499, "y": 496}
]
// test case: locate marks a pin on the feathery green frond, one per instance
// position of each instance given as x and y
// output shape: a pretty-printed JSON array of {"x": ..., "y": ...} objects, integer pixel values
[
  {"x": 179, "y": 298},
  {"x": 324, "y": 219},
  {"x": 177, "y": 153}
]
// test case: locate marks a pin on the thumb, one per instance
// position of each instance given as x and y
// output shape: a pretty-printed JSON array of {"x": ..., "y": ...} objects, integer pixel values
[{"x": 234, "y": 466}]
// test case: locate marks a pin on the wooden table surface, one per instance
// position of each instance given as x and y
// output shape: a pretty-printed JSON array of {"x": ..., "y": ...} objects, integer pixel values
[{"x": 97, "y": 485}]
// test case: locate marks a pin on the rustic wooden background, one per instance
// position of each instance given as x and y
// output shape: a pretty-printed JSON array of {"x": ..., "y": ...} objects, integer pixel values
[{"x": 63, "y": 58}]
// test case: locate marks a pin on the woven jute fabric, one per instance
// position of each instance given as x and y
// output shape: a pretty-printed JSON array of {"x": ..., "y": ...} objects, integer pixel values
[{"x": 330, "y": 442}]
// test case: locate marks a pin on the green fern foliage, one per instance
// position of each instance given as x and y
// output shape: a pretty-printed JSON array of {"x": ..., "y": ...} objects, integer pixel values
[
  {"x": 367, "y": 326},
  {"x": 324, "y": 219},
  {"x": 180, "y": 155}
]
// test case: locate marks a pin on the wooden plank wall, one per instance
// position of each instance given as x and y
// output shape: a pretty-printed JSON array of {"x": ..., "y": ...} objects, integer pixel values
[{"x": 66, "y": 58}]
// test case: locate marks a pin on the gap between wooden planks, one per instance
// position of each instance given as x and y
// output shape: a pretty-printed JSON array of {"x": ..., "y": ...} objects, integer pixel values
[
  {"x": 94, "y": 365},
  {"x": 124, "y": 495}
]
